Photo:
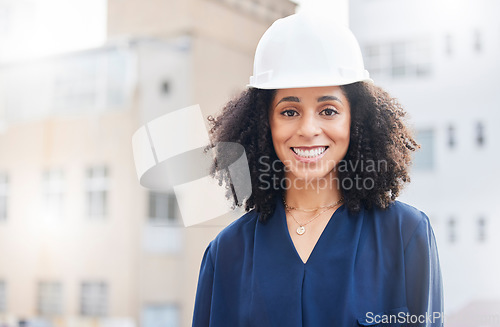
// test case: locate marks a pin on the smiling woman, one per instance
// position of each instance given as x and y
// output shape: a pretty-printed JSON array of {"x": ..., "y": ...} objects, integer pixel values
[
  {"x": 310, "y": 130},
  {"x": 324, "y": 242}
]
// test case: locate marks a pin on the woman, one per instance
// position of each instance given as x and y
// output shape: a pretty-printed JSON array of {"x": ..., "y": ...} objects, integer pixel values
[{"x": 324, "y": 241}]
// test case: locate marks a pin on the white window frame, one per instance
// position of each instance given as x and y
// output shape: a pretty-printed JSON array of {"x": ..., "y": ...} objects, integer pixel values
[
  {"x": 478, "y": 41},
  {"x": 163, "y": 208},
  {"x": 53, "y": 188},
  {"x": 94, "y": 298},
  {"x": 448, "y": 44},
  {"x": 5, "y": 20},
  {"x": 3, "y": 296},
  {"x": 163, "y": 233},
  {"x": 166, "y": 315},
  {"x": 50, "y": 298},
  {"x": 452, "y": 229},
  {"x": 98, "y": 81},
  {"x": 97, "y": 191},
  {"x": 76, "y": 83},
  {"x": 4, "y": 196},
  {"x": 480, "y": 134},
  {"x": 482, "y": 229},
  {"x": 425, "y": 158},
  {"x": 451, "y": 136},
  {"x": 399, "y": 58}
]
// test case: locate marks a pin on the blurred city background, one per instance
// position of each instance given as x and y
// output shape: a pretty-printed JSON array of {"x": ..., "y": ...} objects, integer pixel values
[{"x": 83, "y": 244}]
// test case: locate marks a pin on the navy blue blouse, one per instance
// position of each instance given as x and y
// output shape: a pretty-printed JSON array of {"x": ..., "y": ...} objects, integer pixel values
[{"x": 371, "y": 268}]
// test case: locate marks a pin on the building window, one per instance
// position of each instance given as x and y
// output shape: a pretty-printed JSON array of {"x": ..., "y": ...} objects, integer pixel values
[
  {"x": 374, "y": 59},
  {"x": 119, "y": 66},
  {"x": 452, "y": 232},
  {"x": 97, "y": 192},
  {"x": 163, "y": 212},
  {"x": 94, "y": 299},
  {"x": 481, "y": 229},
  {"x": 100, "y": 81},
  {"x": 410, "y": 58},
  {"x": 424, "y": 157},
  {"x": 478, "y": 41},
  {"x": 3, "y": 297},
  {"x": 480, "y": 134},
  {"x": 165, "y": 315},
  {"x": 451, "y": 136},
  {"x": 448, "y": 41},
  {"x": 53, "y": 193},
  {"x": 49, "y": 298},
  {"x": 165, "y": 88},
  {"x": 163, "y": 208},
  {"x": 398, "y": 57},
  {"x": 76, "y": 83},
  {"x": 4, "y": 20},
  {"x": 4, "y": 185}
]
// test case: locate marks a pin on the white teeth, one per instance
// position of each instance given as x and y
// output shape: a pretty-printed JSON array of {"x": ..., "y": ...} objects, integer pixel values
[{"x": 309, "y": 153}]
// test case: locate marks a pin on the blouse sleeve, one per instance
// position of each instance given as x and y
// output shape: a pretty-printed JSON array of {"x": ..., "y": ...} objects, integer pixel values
[
  {"x": 424, "y": 289},
  {"x": 201, "y": 316}
]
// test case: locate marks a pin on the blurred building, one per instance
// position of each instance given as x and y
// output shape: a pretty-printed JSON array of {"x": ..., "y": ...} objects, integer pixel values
[
  {"x": 440, "y": 58},
  {"x": 81, "y": 243}
]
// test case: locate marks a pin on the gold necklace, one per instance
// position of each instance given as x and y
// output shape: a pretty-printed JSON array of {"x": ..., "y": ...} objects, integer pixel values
[
  {"x": 302, "y": 229},
  {"x": 313, "y": 209}
]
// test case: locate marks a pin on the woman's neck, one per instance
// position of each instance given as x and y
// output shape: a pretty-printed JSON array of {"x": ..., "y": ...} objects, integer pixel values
[{"x": 311, "y": 194}]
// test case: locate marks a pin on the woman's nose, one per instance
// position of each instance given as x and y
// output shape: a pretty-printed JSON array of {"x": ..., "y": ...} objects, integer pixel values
[{"x": 309, "y": 126}]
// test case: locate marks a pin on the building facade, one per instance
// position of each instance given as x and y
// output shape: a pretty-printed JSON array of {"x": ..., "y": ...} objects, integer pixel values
[
  {"x": 440, "y": 59},
  {"x": 81, "y": 242}
]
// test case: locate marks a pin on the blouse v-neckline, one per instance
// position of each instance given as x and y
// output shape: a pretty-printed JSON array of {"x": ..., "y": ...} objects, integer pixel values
[{"x": 324, "y": 233}]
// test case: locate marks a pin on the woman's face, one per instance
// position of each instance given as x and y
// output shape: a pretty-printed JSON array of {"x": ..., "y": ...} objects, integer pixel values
[{"x": 310, "y": 130}]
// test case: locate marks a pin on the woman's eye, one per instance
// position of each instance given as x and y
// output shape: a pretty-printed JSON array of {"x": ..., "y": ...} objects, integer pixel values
[
  {"x": 289, "y": 113},
  {"x": 329, "y": 112}
]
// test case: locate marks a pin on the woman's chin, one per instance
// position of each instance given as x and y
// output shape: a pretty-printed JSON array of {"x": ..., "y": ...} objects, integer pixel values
[{"x": 312, "y": 179}]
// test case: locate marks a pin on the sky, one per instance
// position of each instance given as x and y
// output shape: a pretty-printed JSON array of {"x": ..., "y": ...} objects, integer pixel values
[
  {"x": 36, "y": 28},
  {"x": 337, "y": 9}
]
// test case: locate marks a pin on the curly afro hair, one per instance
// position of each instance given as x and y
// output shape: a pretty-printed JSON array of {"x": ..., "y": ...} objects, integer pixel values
[{"x": 379, "y": 139}]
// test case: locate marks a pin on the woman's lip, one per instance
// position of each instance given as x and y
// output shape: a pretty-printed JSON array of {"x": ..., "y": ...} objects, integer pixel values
[
  {"x": 313, "y": 159},
  {"x": 309, "y": 147}
]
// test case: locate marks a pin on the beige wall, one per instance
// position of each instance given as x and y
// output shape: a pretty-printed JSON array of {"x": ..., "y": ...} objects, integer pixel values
[
  {"x": 147, "y": 18},
  {"x": 223, "y": 35},
  {"x": 74, "y": 248}
]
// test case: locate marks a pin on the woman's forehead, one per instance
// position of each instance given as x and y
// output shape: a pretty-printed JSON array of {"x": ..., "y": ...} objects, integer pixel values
[{"x": 323, "y": 93}]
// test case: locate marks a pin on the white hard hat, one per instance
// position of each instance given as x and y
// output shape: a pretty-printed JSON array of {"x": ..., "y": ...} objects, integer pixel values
[{"x": 303, "y": 51}]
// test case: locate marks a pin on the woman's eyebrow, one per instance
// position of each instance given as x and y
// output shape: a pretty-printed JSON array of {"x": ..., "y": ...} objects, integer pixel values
[
  {"x": 329, "y": 98},
  {"x": 290, "y": 99}
]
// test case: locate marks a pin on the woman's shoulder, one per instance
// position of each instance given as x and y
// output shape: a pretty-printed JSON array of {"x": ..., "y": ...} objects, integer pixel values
[
  {"x": 403, "y": 216},
  {"x": 397, "y": 211},
  {"x": 406, "y": 212},
  {"x": 244, "y": 224},
  {"x": 237, "y": 234}
]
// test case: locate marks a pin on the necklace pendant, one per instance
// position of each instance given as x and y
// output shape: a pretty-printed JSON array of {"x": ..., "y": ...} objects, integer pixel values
[{"x": 301, "y": 230}]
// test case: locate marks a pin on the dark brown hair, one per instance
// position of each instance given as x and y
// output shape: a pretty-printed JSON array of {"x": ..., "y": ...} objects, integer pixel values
[{"x": 378, "y": 136}]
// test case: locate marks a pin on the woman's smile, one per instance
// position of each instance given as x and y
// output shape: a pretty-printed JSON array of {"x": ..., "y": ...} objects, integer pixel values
[
  {"x": 310, "y": 129},
  {"x": 309, "y": 154}
]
